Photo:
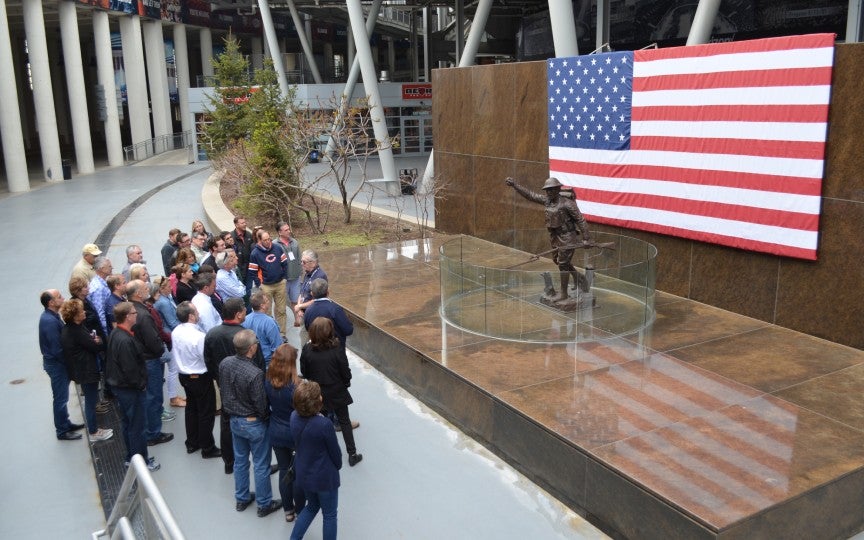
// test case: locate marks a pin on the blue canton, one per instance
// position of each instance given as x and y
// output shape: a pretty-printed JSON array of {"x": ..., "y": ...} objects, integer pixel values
[{"x": 589, "y": 101}]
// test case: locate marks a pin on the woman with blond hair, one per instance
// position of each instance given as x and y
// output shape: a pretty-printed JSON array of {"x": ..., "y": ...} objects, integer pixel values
[
  {"x": 139, "y": 271},
  {"x": 198, "y": 227},
  {"x": 281, "y": 380},
  {"x": 80, "y": 349}
]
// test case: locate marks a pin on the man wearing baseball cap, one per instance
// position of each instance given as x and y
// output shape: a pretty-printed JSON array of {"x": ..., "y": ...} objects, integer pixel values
[{"x": 84, "y": 268}]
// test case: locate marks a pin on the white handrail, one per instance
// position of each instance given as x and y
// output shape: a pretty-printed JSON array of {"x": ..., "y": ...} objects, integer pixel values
[{"x": 147, "y": 499}]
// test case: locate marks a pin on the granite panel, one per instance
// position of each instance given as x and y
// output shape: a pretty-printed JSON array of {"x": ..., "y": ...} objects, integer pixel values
[
  {"x": 452, "y": 110},
  {"x": 832, "y": 510},
  {"x": 499, "y": 366},
  {"x": 680, "y": 324},
  {"x": 843, "y": 156},
  {"x": 770, "y": 358},
  {"x": 489, "y": 213},
  {"x": 738, "y": 461},
  {"x": 529, "y": 82},
  {"x": 454, "y": 212},
  {"x": 599, "y": 407},
  {"x": 624, "y": 510},
  {"x": 836, "y": 395},
  {"x": 494, "y": 118},
  {"x": 540, "y": 455},
  {"x": 734, "y": 280},
  {"x": 824, "y": 299},
  {"x": 528, "y": 215}
]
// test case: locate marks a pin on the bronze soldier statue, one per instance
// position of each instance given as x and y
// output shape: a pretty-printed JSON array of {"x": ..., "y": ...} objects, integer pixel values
[{"x": 564, "y": 222}]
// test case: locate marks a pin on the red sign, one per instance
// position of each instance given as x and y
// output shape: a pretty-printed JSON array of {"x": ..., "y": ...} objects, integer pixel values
[{"x": 417, "y": 91}]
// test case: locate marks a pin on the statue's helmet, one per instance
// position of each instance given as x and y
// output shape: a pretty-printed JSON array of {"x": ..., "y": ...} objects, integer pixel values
[{"x": 551, "y": 183}]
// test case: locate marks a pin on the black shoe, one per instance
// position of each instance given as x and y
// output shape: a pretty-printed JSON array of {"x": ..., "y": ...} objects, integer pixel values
[
  {"x": 212, "y": 453},
  {"x": 69, "y": 436},
  {"x": 244, "y": 505},
  {"x": 191, "y": 449},
  {"x": 75, "y": 427},
  {"x": 354, "y": 459},
  {"x": 274, "y": 505},
  {"x": 274, "y": 468},
  {"x": 161, "y": 438},
  {"x": 229, "y": 468}
]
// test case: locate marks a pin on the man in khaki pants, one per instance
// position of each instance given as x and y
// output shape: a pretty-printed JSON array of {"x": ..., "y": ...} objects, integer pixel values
[{"x": 271, "y": 261}]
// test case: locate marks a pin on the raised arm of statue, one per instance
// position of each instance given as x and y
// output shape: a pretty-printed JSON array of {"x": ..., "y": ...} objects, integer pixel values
[{"x": 525, "y": 192}]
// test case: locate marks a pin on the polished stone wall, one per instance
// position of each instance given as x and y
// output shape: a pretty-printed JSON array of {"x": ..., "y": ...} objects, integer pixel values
[{"x": 490, "y": 123}]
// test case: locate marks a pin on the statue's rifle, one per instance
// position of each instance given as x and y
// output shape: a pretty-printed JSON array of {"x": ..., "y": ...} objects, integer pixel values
[{"x": 585, "y": 245}]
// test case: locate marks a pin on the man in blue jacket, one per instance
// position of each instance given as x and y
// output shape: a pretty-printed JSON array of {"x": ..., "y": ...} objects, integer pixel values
[
  {"x": 322, "y": 306},
  {"x": 272, "y": 262},
  {"x": 50, "y": 328}
]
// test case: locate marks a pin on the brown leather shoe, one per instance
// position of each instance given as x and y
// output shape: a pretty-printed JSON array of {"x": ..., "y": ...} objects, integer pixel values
[{"x": 178, "y": 402}]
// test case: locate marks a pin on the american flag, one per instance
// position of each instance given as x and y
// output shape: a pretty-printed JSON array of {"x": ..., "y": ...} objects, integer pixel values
[{"x": 721, "y": 143}]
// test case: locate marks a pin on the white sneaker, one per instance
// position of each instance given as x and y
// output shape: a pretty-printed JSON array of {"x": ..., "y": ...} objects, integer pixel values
[
  {"x": 153, "y": 465},
  {"x": 101, "y": 435}
]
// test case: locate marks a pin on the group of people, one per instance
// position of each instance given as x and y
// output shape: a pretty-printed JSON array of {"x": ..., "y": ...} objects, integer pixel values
[{"x": 209, "y": 319}]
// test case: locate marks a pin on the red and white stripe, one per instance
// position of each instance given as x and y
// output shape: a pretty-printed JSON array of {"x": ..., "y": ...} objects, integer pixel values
[{"x": 727, "y": 146}]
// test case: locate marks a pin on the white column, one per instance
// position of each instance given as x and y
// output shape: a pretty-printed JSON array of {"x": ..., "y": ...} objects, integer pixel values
[
  {"x": 136, "y": 79},
  {"x": 352, "y": 51},
  {"x": 703, "y": 22},
  {"x": 370, "y": 83},
  {"x": 273, "y": 43},
  {"x": 304, "y": 39},
  {"x": 257, "y": 52},
  {"x": 854, "y": 21},
  {"x": 354, "y": 72},
  {"x": 43, "y": 96},
  {"x": 157, "y": 77},
  {"x": 181, "y": 52},
  {"x": 105, "y": 74},
  {"x": 76, "y": 88},
  {"x": 10, "y": 116},
  {"x": 206, "y": 52},
  {"x": 563, "y": 28}
]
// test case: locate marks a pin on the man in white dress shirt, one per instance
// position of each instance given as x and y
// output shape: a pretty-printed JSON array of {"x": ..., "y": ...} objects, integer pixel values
[
  {"x": 188, "y": 353},
  {"x": 208, "y": 317}
]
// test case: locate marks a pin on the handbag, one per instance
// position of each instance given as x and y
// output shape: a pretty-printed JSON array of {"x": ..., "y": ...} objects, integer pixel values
[{"x": 291, "y": 474}]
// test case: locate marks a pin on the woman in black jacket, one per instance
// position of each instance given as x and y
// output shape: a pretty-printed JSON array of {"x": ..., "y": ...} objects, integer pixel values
[
  {"x": 324, "y": 361},
  {"x": 80, "y": 347}
]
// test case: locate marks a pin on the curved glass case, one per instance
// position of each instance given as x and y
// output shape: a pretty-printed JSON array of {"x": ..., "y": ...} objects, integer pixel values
[{"x": 498, "y": 289}]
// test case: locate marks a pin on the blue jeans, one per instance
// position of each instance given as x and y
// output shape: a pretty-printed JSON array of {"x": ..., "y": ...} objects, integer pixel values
[
  {"x": 328, "y": 503},
  {"x": 60, "y": 390},
  {"x": 251, "y": 438},
  {"x": 153, "y": 404},
  {"x": 91, "y": 398},
  {"x": 131, "y": 404}
]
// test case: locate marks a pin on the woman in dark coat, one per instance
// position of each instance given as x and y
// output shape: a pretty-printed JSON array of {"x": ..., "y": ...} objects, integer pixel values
[
  {"x": 324, "y": 361},
  {"x": 185, "y": 291},
  {"x": 317, "y": 462},
  {"x": 281, "y": 380},
  {"x": 80, "y": 348}
]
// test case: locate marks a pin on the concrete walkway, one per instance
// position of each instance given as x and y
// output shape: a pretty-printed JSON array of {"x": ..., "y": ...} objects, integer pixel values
[{"x": 420, "y": 478}]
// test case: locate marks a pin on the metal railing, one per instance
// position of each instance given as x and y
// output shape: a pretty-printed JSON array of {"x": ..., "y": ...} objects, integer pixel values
[
  {"x": 140, "y": 500},
  {"x": 157, "y": 145}
]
